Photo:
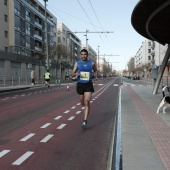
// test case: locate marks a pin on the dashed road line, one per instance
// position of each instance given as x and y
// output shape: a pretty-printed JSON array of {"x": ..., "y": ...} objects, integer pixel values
[
  {"x": 46, "y": 125},
  {"x": 71, "y": 118},
  {"x": 67, "y": 111},
  {"x": 27, "y": 137},
  {"x": 61, "y": 126},
  {"x": 20, "y": 160},
  {"x": 73, "y": 107},
  {"x": 82, "y": 107},
  {"x": 58, "y": 117},
  {"x": 78, "y": 103},
  {"x": 4, "y": 152},
  {"x": 78, "y": 112},
  {"x": 48, "y": 137}
]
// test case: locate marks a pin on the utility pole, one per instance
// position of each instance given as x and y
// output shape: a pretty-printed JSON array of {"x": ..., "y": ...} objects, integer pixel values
[
  {"x": 87, "y": 31},
  {"x": 98, "y": 59},
  {"x": 47, "y": 57}
]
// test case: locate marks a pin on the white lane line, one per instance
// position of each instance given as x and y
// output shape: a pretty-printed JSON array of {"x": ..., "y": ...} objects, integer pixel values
[
  {"x": 73, "y": 107},
  {"x": 27, "y": 137},
  {"x": 91, "y": 101},
  {"x": 58, "y": 117},
  {"x": 46, "y": 125},
  {"x": 61, "y": 126},
  {"x": 67, "y": 111},
  {"x": 48, "y": 137},
  {"x": 115, "y": 85},
  {"x": 71, "y": 118},
  {"x": 78, "y": 112},
  {"x": 4, "y": 152},
  {"x": 78, "y": 103},
  {"x": 20, "y": 160},
  {"x": 82, "y": 107},
  {"x": 96, "y": 97}
]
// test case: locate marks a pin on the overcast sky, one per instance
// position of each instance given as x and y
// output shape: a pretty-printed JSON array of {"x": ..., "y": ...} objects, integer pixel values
[{"x": 98, "y": 16}]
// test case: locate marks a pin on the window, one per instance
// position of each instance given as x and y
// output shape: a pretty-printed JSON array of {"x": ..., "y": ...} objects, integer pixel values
[
  {"x": 6, "y": 34},
  {"x": 6, "y": 49},
  {"x": 5, "y": 2},
  {"x": 5, "y": 18}
]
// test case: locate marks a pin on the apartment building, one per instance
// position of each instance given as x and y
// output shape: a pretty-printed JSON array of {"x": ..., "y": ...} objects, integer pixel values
[
  {"x": 69, "y": 46},
  {"x": 151, "y": 52},
  {"x": 23, "y": 40}
]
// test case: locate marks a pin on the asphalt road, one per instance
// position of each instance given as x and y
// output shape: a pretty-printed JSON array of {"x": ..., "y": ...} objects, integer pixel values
[{"x": 40, "y": 129}]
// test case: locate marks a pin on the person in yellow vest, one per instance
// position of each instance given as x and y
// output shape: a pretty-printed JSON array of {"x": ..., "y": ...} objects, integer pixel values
[{"x": 47, "y": 78}]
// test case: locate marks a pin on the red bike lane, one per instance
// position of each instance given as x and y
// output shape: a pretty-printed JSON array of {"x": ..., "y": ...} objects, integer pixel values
[{"x": 55, "y": 140}]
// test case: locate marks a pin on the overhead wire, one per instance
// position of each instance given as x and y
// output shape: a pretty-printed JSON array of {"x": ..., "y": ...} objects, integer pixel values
[{"x": 99, "y": 22}]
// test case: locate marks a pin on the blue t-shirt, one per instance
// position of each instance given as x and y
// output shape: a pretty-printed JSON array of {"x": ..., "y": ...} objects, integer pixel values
[{"x": 85, "y": 70}]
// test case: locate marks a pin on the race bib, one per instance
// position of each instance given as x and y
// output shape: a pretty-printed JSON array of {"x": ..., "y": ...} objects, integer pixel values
[{"x": 84, "y": 75}]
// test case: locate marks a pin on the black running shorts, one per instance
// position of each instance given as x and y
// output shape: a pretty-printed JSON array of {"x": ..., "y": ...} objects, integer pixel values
[{"x": 84, "y": 87}]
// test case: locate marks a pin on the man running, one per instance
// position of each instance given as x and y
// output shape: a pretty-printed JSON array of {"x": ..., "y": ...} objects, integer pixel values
[
  {"x": 47, "y": 78},
  {"x": 83, "y": 71}
]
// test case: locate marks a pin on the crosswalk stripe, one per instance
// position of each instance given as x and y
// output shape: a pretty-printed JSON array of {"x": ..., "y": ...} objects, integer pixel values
[
  {"x": 20, "y": 160},
  {"x": 27, "y": 137},
  {"x": 48, "y": 137},
  {"x": 4, "y": 152}
]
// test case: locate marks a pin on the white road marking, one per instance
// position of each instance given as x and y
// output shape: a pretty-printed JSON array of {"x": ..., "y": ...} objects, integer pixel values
[
  {"x": 27, "y": 137},
  {"x": 82, "y": 108},
  {"x": 20, "y": 160},
  {"x": 73, "y": 107},
  {"x": 61, "y": 126},
  {"x": 4, "y": 152},
  {"x": 48, "y": 137},
  {"x": 78, "y": 112},
  {"x": 67, "y": 111},
  {"x": 46, "y": 125},
  {"x": 115, "y": 85},
  {"x": 78, "y": 103},
  {"x": 96, "y": 97},
  {"x": 58, "y": 117},
  {"x": 91, "y": 101},
  {"x": 71, "y": 118},
  {"x": 100, "y": 84}
]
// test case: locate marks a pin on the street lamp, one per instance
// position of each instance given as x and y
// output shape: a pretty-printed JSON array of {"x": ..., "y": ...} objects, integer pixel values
[{"x": 47, "y": 57}]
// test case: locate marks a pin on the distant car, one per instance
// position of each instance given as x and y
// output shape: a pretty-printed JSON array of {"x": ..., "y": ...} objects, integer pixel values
[{"x": 74, "y": 78}]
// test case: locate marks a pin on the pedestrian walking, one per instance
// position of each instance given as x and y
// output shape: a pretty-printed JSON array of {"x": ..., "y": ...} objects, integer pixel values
[
  {"x": 83, "y": 71},
  {"x": 47, "y": 78}
]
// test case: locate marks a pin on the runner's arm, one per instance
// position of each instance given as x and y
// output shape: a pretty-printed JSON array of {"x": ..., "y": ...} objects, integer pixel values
[{"x": 74, "y": 74}]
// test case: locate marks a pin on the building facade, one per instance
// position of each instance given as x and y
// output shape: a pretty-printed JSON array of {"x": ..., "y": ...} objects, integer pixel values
[
  {"x": 69, "y": 46},
  {"x": 23, "y": 40}
]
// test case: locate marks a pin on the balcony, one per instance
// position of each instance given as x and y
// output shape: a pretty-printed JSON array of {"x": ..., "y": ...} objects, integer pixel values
[
  {"x": 38, "y": 49},
  {"x": 38, "y": 37},
  {"x": 38, "y": 25}
]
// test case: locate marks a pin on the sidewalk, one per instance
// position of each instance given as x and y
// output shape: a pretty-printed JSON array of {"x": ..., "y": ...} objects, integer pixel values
[
  {"x": 17, "y": 87},
  {"x": 145, "y": 134}
]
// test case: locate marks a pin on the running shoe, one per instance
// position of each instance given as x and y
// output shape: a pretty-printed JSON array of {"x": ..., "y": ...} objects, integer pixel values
[{"x": 84, "y": 125}]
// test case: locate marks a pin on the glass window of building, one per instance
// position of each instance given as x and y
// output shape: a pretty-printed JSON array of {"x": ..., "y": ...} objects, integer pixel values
[
  {"x": 17, "y": 23},
  {"x": 5, "y": 2},
  {"x": 17, "y": 38},
  {"x": 6, "y": 18},
  {"x": 6, "y": 34}
]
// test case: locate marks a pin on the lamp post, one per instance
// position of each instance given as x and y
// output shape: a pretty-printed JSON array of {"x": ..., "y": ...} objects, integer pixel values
[{"x": 47, "y": 57}]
